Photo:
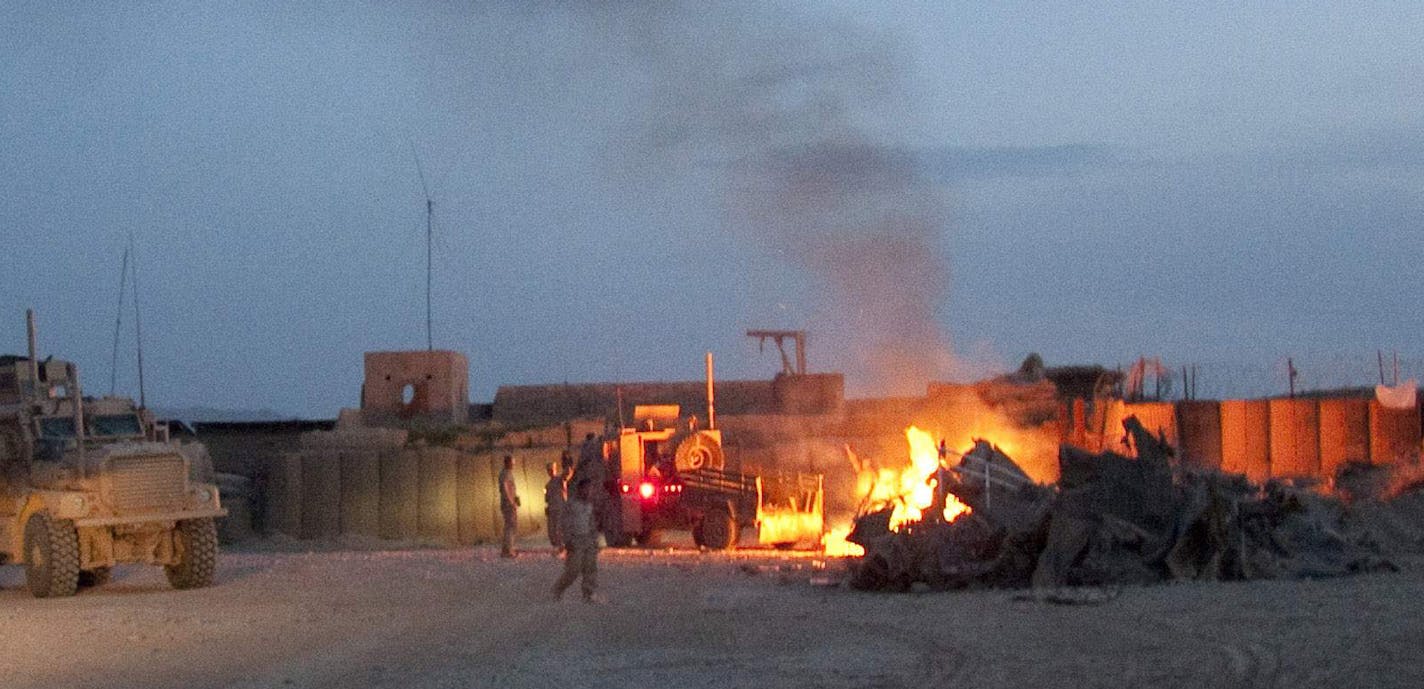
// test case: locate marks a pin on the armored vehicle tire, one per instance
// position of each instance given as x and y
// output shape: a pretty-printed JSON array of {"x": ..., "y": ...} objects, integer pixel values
[
  {"x": 719, "y": 532},
  {"x": 197, "y": 541},
  {"x": 51, "y": 556},
  {"x": 95, "y": 577}
]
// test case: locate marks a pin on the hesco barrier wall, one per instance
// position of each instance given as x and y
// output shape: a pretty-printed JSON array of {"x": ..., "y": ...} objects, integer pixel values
[
  {"x": 434, "y": 495},
  {"x": 1302, "y": 438}
]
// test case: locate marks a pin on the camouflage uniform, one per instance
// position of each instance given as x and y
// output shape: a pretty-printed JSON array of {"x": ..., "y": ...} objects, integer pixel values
[
  {"x": 509, "y": 508},
  {"x": 581, "y": 548},
  {"x": 591, "y": 468},
  {"x": 555, "y": 495}
]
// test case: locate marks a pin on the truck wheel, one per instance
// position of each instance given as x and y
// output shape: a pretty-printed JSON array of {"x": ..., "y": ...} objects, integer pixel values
[
  {"x": 650, "y": 538},
  {"x": 719, "y": 532},
  {"x": 51, "y": 556},
  {"x": 697, "y": 535},
  {"x": 618, "y": 539},
  {"x": 197, "y": 541}
]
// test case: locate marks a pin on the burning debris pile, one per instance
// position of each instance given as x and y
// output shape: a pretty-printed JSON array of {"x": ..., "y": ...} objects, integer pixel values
[{"x": 1111, "y": 519}]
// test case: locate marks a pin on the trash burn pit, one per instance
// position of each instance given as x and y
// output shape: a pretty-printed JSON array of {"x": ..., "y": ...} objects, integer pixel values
[{"x": 947, "y": 520}]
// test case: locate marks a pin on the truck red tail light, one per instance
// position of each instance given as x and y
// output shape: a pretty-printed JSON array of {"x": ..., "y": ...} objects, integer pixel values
[{"x": 647, "y": 490}]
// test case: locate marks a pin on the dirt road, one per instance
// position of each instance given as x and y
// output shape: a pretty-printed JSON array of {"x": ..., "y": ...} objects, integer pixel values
[{"x": 430, "y": 618}]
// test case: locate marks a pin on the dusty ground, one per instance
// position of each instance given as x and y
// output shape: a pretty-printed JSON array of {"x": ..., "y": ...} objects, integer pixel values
[{"x": 429, "y": 618}]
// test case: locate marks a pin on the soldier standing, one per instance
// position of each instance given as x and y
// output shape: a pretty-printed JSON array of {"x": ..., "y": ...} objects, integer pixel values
[
  {"x": 555, "y": 494},
  {"x": 591, "y": 468},
  {"x": 508, "y": 506},
  {"x": 580, "y": 544}
]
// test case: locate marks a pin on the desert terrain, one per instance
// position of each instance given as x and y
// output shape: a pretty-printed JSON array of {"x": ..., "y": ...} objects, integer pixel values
[{"x": 282, "y": 616}]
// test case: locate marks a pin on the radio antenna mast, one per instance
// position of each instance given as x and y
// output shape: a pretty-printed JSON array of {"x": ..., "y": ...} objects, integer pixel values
[
  {"x": 138, "y": 324},
  {"x": 429, "y": 236},
  {"x": 118, "y": 320}
]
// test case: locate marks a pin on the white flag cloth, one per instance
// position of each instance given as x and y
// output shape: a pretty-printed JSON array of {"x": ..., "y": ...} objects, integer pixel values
[{"x": 1402, "y": 396}]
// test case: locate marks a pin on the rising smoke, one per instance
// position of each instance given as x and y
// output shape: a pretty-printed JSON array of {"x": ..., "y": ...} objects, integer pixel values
[{"x": 777, "y": 100}]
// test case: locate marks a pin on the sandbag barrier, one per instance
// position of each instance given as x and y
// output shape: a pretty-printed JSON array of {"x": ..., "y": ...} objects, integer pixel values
[
  {"x": 1308, "y": 439},
  {"x": 432, "y": 495}
]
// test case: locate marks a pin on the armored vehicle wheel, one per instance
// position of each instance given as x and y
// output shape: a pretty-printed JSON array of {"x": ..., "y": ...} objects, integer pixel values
[
  {"x": 95, "y": 577},
  {"x": 719, "y": 532},
  {"x": 197, "y": 541},
  {"x": 51, "y": 556}
]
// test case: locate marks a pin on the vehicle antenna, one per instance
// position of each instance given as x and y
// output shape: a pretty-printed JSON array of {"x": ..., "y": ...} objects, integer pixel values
[
  {"x": 138, "y": 325},
  {"x": 118, "y": 320}
]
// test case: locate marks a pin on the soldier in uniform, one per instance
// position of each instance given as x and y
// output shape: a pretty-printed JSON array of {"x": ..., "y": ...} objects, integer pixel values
[
  {"x": 580, "y": 544},
  {"x": 555, "y": 494},
  {"x": 508, "y": 506},
  {"x": 592, "y": 468}
]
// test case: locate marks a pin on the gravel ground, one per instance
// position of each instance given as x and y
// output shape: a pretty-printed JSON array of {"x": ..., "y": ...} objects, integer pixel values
[{"x": 680, "y": 618}]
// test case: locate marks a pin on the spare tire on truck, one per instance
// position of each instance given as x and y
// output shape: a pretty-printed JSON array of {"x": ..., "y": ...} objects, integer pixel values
[{"x": 699, "y": 451}]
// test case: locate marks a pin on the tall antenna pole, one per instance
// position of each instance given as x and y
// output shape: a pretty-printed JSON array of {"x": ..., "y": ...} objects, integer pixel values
[
  {"x": 429, "y": 237},
  {"x": 429, "y": 234},
  {"x": 118, "y": 319},
  {"x": 138, "y": 328}
]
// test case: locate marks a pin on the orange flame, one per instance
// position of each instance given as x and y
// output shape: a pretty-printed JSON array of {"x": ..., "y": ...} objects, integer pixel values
[
  {"x": 835, "y": 544},
  {"x": 911, "y": 489}
]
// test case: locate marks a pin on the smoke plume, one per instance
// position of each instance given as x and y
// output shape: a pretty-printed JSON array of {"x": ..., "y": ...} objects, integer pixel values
[{"x": 777, "y": 99}]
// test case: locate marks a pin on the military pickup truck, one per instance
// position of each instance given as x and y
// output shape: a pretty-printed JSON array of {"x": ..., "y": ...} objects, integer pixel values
[
  {"x": 86, "y": 484},
  {"x": 672, "y": 475}
]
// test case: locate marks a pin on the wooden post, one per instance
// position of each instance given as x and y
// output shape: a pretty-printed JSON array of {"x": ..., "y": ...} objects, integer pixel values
[{"x": 1291, "y": 373}]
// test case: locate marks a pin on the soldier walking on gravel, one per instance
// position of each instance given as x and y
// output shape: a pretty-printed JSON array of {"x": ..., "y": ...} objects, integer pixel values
[
  {"x": 591, "y": 468},
  {"x": 508, "y": 506},
  {"x": 555, "y": 495},
  {"x": 580, "y": 544}
]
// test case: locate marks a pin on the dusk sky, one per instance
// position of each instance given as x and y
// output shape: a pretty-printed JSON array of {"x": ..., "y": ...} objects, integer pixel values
[{"x": 932, "y": 189}]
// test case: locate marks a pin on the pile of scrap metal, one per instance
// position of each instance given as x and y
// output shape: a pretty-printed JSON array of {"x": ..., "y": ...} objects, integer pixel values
[{"x": 1110, "y": 520}]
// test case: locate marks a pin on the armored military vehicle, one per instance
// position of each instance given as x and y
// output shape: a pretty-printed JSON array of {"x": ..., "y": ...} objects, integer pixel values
[{"x": 86, "y": 484}]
